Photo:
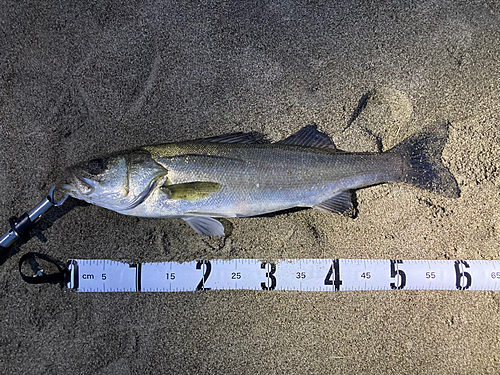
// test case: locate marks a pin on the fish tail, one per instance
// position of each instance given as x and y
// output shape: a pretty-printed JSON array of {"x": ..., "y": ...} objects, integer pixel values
[{"x": 424, "y": 168}]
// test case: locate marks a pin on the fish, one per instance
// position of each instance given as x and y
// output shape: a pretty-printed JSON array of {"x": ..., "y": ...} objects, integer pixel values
[{"x": 240, "y": 175}]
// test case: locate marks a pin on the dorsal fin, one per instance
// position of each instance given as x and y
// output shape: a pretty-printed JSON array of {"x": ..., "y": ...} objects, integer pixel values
[
  {"x": 309, "y": 136},
  {"x": 245, "y": 138}
]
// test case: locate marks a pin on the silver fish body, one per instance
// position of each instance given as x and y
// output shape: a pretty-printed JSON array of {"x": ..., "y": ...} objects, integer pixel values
[
  {"x": 258, "y": 179},
  {"x": 234, "y": 176}
]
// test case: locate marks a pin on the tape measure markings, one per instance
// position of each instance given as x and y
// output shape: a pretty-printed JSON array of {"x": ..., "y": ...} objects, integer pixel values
[{"x": 100, "y": 275}]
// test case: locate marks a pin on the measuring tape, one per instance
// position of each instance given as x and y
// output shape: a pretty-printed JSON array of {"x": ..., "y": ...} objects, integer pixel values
[{"x": 321, "y": 275}]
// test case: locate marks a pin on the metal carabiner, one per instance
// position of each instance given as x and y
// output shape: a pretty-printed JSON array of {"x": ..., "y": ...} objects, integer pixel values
[{"x": 20, "y": 227}]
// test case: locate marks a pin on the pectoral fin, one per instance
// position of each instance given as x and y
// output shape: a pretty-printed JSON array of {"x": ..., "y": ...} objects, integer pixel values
[
  {"x": 190, "y": 191},
  {"x": 339, "y": 203},
  {"x": 205, "y": 225}
]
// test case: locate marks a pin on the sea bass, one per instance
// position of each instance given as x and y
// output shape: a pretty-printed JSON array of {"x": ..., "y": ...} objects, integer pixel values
[{"x": 236, "y": 175}]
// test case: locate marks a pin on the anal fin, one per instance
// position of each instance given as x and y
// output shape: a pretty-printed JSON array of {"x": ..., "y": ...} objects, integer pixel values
[
  {"x": 339, "y": 203},
  {"x": 205, "y": 225}
]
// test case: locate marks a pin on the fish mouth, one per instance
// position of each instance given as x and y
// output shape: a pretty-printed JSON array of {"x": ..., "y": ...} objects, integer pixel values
[
  {"x": 91, "y": 184},
  {"x": 78, "y": 185}
]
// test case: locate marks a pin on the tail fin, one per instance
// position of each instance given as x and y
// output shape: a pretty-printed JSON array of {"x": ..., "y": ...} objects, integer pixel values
[{"x": 422, "y": 153}]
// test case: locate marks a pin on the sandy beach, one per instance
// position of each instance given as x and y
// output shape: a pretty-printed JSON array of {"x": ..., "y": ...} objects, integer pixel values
[{"x": 78, "y": 80}]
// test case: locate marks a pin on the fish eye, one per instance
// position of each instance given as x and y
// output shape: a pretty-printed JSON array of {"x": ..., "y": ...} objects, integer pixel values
[{"x": 96, "y": 166}]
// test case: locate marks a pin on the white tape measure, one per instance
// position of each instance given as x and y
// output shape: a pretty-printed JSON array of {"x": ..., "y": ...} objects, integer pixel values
[{"x": 100, "y": 275}]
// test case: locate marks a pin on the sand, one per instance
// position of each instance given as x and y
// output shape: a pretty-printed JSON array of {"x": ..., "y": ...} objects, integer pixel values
[{"x": 79, "y": 79}]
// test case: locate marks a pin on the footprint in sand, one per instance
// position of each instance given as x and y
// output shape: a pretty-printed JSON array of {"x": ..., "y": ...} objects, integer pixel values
[{"x": 380, "y": 121}]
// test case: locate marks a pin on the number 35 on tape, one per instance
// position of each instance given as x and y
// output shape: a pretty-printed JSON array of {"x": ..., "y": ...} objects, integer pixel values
[{"x": 101, "y": 275}]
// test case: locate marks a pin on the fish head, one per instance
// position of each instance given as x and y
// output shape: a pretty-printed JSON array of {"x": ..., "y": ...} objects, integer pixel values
[
  {"x": 118, "y": 182},
  {"x": 97, "y": 179}
]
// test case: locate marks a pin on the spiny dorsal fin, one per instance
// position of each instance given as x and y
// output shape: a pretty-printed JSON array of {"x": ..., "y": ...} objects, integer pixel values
[
  {"x": 190, "y": 191},
  {"x": 309, "y": 136},
  {"x": 245, "y": 138},
  {"x": 338, "y": 204}
]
